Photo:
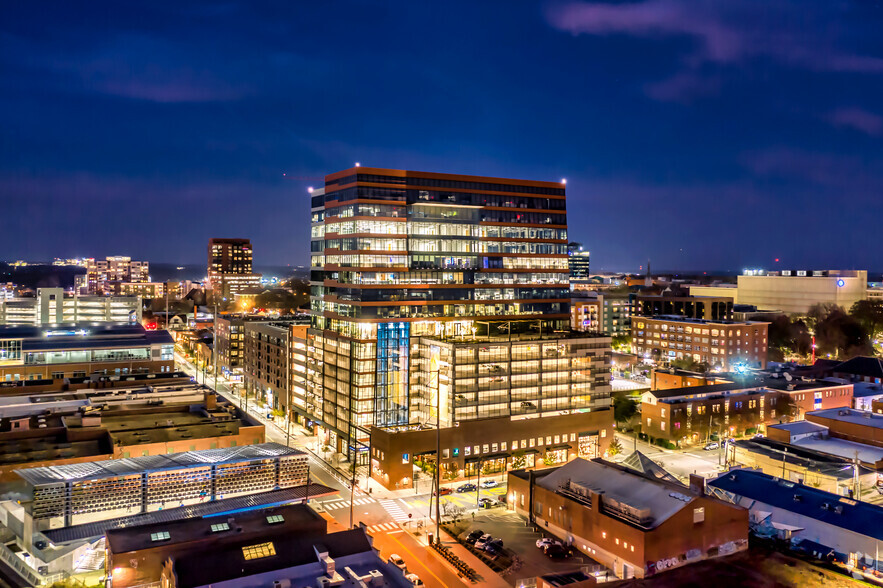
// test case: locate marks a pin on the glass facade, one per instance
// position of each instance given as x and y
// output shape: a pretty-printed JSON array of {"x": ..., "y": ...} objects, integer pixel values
[{"x": 397, "y": 255}]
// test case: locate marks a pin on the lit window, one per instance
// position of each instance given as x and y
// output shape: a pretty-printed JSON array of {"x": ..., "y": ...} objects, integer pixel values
[
  {"x": 220, "y": 527},
  {"x": 258, "y": 551},
  {"x": 161, "y": 536},
  {"x": 274, "y": 519},
  {"x": 617, "y": 540},
  {"x": 603, "y": 534}
]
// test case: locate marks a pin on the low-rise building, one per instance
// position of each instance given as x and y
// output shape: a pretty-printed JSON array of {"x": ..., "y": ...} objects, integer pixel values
[
  {"x": 824, "y": 524},
  {"x": 694, "y": 413},
  {"x": 488, "y": 446},
  {"x": 720, "y": 344},
  {"x": 52, "y": 306},
  {"x": 136, "y": 555},
  {"x": 666, "y": 379},
  {"x": 636, "y": 525},
  {"x": 79, "y": 350},
  {"x": 344, "y": 558}
]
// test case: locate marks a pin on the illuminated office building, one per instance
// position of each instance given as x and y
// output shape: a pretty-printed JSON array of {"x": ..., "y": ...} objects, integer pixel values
[{"x": 397, "y": 256}]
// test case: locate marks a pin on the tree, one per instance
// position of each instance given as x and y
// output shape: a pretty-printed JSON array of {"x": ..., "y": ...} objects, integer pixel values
[
  {"x": 870, "y": 314},
  {"x": 622, "y": 343},
  {"x": 519, "y": 462},
  {"x": 624, "y": 408},
  {"x": 689, "y": 364},
  {"x": 615, "y": 447},
  {"x": 841, "y": 335}
]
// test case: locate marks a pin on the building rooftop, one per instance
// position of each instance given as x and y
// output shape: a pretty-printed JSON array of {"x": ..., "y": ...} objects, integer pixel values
[
  {"x": 83, "y": 336},
  {"x": 859, "y": 517},
  {"x": 866, "y": 389},
  {"x": 645, "y": 466},
  {"x": 658, "y": 500},
  {"x": 750, "y": 382},
  {"x": 288, "y": 551},
  {"x": 864, "y": 418},
  {"x": 695, "y": 321},
  {"x": 815, "y": 461},
  {"x": 871, "y": 367},
  {"x": 800, "y": 427},
  {"x": 293, "y": 518},
  {"x": 847, "y": 450},
  {"x": 111, "y": 468}
]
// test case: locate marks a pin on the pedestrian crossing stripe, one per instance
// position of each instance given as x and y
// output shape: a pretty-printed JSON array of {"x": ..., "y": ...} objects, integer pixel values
[
  {"x": 394, "y": 510},
  {"x": 338, "y": 504},
  {"x": 383, "y": 527}
]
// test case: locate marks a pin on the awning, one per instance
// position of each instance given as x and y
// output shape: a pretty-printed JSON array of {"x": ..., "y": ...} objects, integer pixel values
[
  {"x": 784, "y": 527},
  {"x": 487, "y": 457},
  {"x": 560, "y": 446},
  {"x": 530, "y": 451}
]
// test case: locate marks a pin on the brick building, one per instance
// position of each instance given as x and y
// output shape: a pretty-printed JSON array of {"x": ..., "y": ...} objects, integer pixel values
[
  {"x": 718, "y": 344},
  {"x": 690, "y": 415},
  {"x": 637, "y": 525}
]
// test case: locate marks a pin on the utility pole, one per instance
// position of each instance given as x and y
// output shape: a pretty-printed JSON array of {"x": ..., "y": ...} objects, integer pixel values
[
  {"x": 784, "y": 457},
  {"x": 353, "y": 482}
]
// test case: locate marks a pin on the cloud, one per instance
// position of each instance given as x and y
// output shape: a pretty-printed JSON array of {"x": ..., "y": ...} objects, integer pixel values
[
  {"x": 857, "y": 119},
  {"x": 725, "y": 33},
  {"x": 858, "y": 177}
]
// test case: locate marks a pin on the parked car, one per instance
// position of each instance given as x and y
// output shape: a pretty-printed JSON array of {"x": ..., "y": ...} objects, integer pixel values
[
  {"x": 492, "y": 550},
  {"x": 396, "y": 560},
  {"x": 487, "y": 503},
  {"x": 467, "y": 488},
  {"x": 489, "y": 484},
  {"x": 731, "y": 440},
  {"x": 546, "y": 542},
  {"x": 494, "y": 544},
  {"x": 413, "y": 579},
  {"x": 483, "y": 540},
  {"x": 474, "y": 536},
  {"x": 443, "y": 492},
  {"x": 712, "y": 446},
  {"x": 758, "y": 436},
  {"x": 557, "y": 552}
]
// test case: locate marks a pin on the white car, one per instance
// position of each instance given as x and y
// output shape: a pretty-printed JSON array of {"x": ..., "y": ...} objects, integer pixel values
[
  {"x": 547, "y": 542},
  {"x": 396, "y": 560},
  {"x": 483, "y": 540},
  {"x": 489, "y": 484},
  {"x": 413, "y": 579}
]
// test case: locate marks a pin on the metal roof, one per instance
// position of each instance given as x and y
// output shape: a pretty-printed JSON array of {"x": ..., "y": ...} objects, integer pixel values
[
  {"x": 859, "y": 517},
  {"x": 111, "y": 468}
]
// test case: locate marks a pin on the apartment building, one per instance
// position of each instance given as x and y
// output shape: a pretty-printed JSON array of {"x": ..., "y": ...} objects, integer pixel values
[
  {"x": 101, "y": 274},
  {"x": 229, "y": 268},
  {"x": 398, "y": 255},
  {"x": 719, "y": 344},
  {"x": 268, "y": 361},
  {"x": 601, "y": 312}
]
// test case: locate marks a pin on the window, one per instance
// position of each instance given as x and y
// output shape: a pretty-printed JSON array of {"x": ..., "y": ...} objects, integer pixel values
[
  {"x": 405, "y": 457},
  {"x": 275, "y": 519},
  {"x": 220, "y": 527},
  {"x": 258, "y": 551},
  {"x": 662, "y": 412},
  {"x": 161, "y": 536}
]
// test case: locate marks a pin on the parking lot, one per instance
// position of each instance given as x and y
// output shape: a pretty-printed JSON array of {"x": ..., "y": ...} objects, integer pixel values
[{"x": 520, "y": 540}]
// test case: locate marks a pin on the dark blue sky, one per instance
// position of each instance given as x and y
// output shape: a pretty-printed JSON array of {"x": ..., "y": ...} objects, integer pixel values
[{"x": 701, "y": 134}]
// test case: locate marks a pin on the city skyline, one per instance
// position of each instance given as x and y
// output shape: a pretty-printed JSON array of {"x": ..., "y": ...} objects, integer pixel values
[{"x": 121, "y": 129}]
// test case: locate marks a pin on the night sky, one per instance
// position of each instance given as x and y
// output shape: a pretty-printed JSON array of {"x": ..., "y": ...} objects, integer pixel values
[{"x": 704, "y": 135}]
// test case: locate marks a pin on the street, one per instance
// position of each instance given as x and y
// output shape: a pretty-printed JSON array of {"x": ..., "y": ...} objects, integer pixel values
[{"x": 680, "y": 462}]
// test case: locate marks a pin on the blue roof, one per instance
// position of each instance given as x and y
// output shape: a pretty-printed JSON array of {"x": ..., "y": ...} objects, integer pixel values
[{"x": 858, "y": 517}]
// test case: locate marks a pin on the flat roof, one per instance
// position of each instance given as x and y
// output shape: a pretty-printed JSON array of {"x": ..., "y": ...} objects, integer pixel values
[
  {"x": 622, "y": 485},
  {"x": 111, "y": 468},
  {"x": 866, "y": 389},
  {"x": 842, "y": 448},
  {"x": 294, "y": 517},
  {"x": 799, "y": 427},
  {"x": 864, "y": 418},
  {"x": 815, "y": 461},
  {"x": 861, "y": 366},
  {"x": 860, "y": 517},
  {"x": 676, "y": 318},
  {"x": 218, "y": 507}
]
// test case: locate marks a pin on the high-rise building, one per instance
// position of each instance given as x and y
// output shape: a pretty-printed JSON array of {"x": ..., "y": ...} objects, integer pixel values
[
  {"x": 102, "y": 273},
  {"x": 578, "y": 261},
  {"x": 403, "y": 255},
  {"x": 229, "y": 267}
]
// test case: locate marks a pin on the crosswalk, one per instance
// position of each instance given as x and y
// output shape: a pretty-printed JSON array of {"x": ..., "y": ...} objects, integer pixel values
[
  {"x": 383, "y": 528},
  {"x": 394, "y": 510},
  {"x": 339, "y": 504}
]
